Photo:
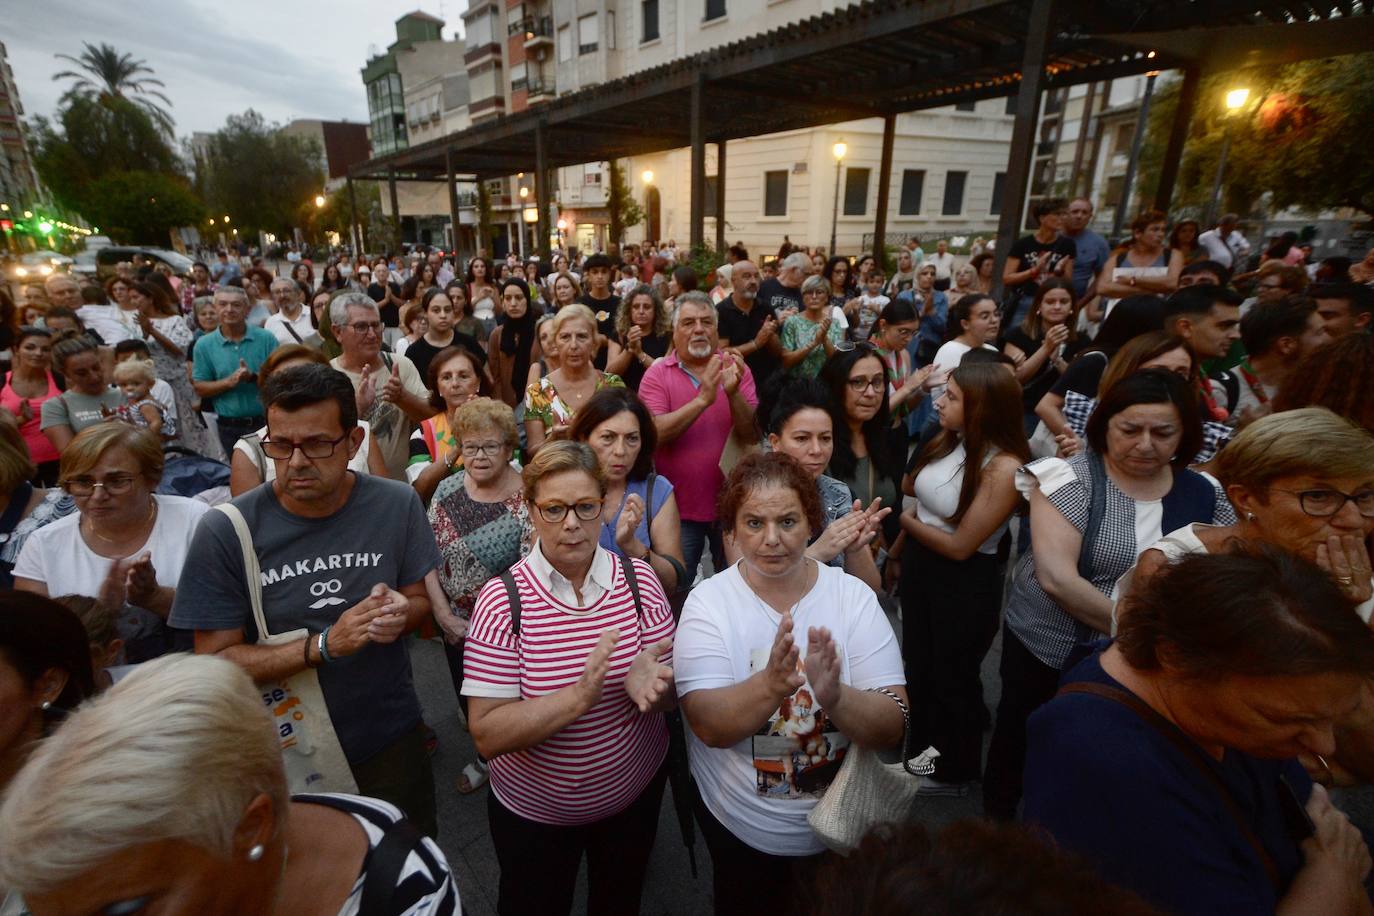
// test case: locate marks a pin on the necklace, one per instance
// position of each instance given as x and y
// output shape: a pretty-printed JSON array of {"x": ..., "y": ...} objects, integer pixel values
[
  {"x": 152, "y": 510},
  {"x": 807, "y": 581}
]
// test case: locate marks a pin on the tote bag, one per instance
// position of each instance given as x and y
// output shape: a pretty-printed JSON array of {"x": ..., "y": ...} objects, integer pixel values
[{"x": 310, "y": 748}]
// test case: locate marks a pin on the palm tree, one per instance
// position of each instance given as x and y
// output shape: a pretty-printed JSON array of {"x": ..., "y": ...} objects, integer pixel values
[{"x": 105, "y": 73}]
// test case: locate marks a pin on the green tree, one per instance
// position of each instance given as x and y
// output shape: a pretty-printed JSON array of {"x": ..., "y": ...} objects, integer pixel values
[
  {"x": 486, "y": 234},
  {"x": 141, "y": 207},
  {"x": 104, "y": 73},
  {"x": 620, "y": 203},
  {"x": 260, "y": 176},
  {"x": 1301, "y": 141}
]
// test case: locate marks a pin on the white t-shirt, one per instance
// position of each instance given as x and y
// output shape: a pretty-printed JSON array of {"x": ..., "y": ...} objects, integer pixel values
[
  {"x": 112, "y": 323},
  {"x": 947, "y": 360},
  {"x": 166, "y": 398},
  {"x": 278, "y": 323},
  {"x": 938, "y": 486},
  {"x": 57, "y": 555},
  {"x": 763, "y": 788},
  {"x": 268, "y": 467}
]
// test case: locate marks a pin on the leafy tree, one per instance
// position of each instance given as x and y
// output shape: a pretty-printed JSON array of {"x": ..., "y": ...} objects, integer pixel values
[
  {"x": 486, "y": 233},
  {"x": 141, "y": 207},
  {"x": 260, "y": 176},
  {"x": 620, "y": 203},
  {"x": 104, "y": 73},
  {"x": 1301, "y": 141}
]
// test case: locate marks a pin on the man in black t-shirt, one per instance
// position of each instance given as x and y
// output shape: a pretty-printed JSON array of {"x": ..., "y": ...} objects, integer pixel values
[
  {"x": 386, "y": 292},
  {"x": 596, "y": 281},
  {"x": 784, "y": 291},
  {"x": 1037, "y": 257},
  {"x": 748, "y": 326}
]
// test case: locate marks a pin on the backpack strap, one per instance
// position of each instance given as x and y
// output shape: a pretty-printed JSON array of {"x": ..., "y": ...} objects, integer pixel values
[
  {"x": 1097, "y": 509},
  {"x": 627, "y": 566},
  {"x": 513, "y": 599},
  {"x": 1185, "y": 745}
]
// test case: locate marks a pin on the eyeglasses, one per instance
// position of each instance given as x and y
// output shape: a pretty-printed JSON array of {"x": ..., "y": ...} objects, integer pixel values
[
  {"x": 860, "y": 385},
  {"x": 490, "y": 449},
  {"x": 283, "y": 449},
  {"x": 1326, "y": 503},
  {"x": 553, "y": 513},
  {"x": 114, "y": 485},
  {"x": 362, "y": 328}
]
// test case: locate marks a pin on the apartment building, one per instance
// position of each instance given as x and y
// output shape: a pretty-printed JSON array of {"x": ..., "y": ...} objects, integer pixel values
[
  {"x": 386, "y": 106},
  {"x": 19, "y": 185}
]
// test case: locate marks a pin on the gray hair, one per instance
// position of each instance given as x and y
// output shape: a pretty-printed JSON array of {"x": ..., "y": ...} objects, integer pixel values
[
  {"x": 283, "y": 281},
  {"x": 175, "y": 751},
  {"x": 694, "y": 297},
  {"x": 238, "y": 291},
  {"x": 797, "y": 260},
  {"x": 815, "y": 281},
  {"x": 340, "y": 304}
]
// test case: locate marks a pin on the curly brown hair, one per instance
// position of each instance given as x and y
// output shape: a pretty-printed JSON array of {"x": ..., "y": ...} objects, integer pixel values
[
  {"x": 764, "y": 469},
  {"x": 1337, "y": 376}
]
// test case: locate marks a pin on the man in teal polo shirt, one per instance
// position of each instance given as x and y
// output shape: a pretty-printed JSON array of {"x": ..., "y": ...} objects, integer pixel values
[{"x": 227, "y": 360}]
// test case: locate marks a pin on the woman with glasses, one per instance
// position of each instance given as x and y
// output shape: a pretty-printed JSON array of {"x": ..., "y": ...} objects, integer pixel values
[
  {"x": 892, "y": 334},
  {"x": 480, "y": 522},
  {"x": 455, "y": 378},
  {"x": 251, "y": 465},
  {"x": 124, "y": 545},
  {"x": 567, "y": 677},
  {"x": 810, "y": 337}
]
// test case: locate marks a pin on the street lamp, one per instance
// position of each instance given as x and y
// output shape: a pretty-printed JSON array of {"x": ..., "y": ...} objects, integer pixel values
[
  {"x": 647, "y": 177},
  {"x": 1235, "y": 101},
  {"x": 319, "y": 200},
  {"x": 226, "y": 220},
  {"x": 839, "y": 149}
]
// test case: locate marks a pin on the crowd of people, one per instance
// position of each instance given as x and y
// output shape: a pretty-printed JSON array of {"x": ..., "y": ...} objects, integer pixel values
[{"x": 721, "y": 536}]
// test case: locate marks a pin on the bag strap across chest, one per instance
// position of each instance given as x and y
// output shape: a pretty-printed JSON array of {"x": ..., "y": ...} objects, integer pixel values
[{"x": 513, "y": 594}]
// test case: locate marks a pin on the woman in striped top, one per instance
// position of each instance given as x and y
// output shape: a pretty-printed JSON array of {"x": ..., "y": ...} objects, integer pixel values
[{"x": 567, "y": 674}]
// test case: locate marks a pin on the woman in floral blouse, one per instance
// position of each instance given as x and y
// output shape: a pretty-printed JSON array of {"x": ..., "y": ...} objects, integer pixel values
[{"x": 551, "y": 404}]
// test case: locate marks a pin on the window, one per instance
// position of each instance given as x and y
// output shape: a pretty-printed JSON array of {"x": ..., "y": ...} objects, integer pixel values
[
  {"x": 648, "y": 17},
  {"x": 715, "y": 9},
  {"x": 586, "y": 34},
  {"x": 998, "y": 182},
  {"x": 954, "y": 193},
  {"x": 913, "y": 186},
  {"x": 565, "y": 45},
  {"x": 1122, "y": 137},
  {"x": 774, "y": 193},
  {"x": 1112, "y": 196},
  {"x": 855, "y": 192},
  {"x": 965, "y": 106},
  {"x": 710, "y": 192}
]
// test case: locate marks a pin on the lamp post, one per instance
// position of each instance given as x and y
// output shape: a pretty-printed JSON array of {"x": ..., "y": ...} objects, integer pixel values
[
  {"x": 647, "y": 177},
  {"x": 1235, "y": 100},
  {"x": 839, "y": 149}
]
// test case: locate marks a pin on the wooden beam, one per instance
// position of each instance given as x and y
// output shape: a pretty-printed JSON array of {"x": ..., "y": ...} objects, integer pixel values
[
  {"x": 884, "y": 188},
  {"x": 720, "y": 197},
  {"x": 542, "y": 197},
  {"x": 1178, "y": 136}
]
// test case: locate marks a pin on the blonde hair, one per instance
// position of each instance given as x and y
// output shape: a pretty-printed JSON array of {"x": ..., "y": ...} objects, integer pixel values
[
  {"x": 98, "y": 617},
  {"x": 1309, "y": 441},
  {"x": 175, "y": 751},
  {"x": 574, "y": 312},
  {"x": 558, "y": 456},
  {"x": 84, "y": 451},
  {"x": 141, "y": 370},
  {"x": 483, "y": 414},
  {"x": 15, "y": 464}
]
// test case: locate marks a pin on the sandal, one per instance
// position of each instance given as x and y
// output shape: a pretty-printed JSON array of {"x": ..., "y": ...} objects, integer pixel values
[{"x": 473, "y": 777}]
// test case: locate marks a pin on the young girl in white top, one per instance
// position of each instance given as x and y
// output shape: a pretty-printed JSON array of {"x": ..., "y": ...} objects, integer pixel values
[
  {"x": 951, "y": 575},
  {"x": 974, "y": 322}
]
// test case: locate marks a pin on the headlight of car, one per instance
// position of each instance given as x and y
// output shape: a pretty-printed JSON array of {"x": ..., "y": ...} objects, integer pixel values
[
  {"x": 45, "y": 269},
  {"x": 21, "y": 271}
]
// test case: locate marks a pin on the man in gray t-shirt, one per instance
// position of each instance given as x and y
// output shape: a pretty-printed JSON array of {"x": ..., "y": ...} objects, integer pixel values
[{"x": 341, "y": 554}]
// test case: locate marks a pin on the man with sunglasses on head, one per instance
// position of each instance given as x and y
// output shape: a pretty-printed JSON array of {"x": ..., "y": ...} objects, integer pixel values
[
  {"x": 391, "y": 395},
  {"x": 341, "y": 555},
  {"x": 225, "y": 366}
]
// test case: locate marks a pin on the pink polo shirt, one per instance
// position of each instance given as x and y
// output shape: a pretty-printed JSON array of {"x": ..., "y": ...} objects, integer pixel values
[{"x": 692, "y": 460}]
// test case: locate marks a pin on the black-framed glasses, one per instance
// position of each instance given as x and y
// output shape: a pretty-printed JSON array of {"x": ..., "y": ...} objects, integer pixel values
[
  {"x": 283, "y": 449},
  {"x": 1324, "y": 503},
  {"x": 553, "y": 513},
  {"x": 860, "y": 385},
  {"x": 473, "y": 449},
  {"x": 114, "y": 485}
]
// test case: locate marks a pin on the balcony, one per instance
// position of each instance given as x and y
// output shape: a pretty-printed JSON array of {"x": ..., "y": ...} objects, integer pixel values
[
  {"x": 538, "y": 31},
  {"x": 540, "y": 89}
]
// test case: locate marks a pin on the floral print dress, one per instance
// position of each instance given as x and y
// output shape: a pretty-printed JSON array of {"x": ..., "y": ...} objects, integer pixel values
[
  {"x": 543, "y": 403},
  {"x": 477, "y": 541}
]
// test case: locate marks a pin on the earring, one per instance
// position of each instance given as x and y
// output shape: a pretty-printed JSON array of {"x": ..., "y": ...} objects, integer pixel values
[
  {"x": 47, "y": 704},
  {"x": 256, "y": 852},
  {"x": 1249, "y": 516}
]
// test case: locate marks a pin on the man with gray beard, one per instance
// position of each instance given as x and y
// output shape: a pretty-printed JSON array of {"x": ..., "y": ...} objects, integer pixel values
[{"x": 748, "y": 326}]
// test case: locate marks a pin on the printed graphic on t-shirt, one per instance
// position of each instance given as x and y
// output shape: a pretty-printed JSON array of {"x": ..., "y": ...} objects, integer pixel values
[{"x": 798, "y": 750}]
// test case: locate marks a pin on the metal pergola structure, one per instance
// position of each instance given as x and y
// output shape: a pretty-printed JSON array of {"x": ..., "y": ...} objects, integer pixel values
[{"x": 877, "y": 59}]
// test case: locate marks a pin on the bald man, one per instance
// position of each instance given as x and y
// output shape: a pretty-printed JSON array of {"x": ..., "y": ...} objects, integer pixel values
[{"x": 63, "y": 290}]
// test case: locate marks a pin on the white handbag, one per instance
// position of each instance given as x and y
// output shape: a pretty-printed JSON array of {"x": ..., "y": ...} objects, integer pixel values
[
  {"x": 868, "y": 791},
  {"x": 310, "y": 748}
]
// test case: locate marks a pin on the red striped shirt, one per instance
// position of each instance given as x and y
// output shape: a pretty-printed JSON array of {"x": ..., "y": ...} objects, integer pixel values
[{"x": 599, "y": 764}]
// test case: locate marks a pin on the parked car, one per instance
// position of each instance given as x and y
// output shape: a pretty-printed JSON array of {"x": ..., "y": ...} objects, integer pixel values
[
  {"x": 107, "y": 258},
  {"x": 84, "y": 263},
  {"x": 35, "y": 265}
]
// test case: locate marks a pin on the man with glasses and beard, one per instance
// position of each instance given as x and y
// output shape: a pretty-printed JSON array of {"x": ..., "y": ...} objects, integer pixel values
[
  {"x": 342, "y": 556},
  {"x": 391, "y": 395}
]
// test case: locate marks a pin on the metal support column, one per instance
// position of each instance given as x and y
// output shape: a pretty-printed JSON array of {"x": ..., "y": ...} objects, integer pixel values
[
  {"x": 1141, "y": 122},
  {"x": 395, "y": 207},
  {"x": 541, "y": 190},
  {"x": 720, "y": 198},
  {"x": 698, "y": 115},
  {"x": 1022, "y": 135},
  {"x": 1178, "y": 136},
  {"x": 354, "y": 232},
  {"x": 884, "y": 189},
  {"x": 452, "y": 181}
]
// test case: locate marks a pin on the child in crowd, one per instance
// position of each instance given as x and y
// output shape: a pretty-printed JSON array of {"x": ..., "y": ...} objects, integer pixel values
[
  {"x": 162, "y": 392},
  {"x": 101, "y": 621},
  {"x": 865, "y": 309},
  {"x": 135, "y": 377},
  {"x": 629, "y": 279}
]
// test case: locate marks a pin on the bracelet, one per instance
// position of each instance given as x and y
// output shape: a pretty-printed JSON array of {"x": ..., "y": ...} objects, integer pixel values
[
  {"x": 325, "y": 657},
  {"x": 308, "y": 663}
]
